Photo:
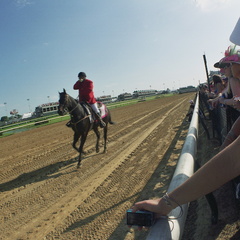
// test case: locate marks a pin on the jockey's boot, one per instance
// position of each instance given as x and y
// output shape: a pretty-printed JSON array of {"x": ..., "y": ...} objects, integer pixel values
[
  {"x": 101, "y": 122},
  {"x": 69, "y": 124}
]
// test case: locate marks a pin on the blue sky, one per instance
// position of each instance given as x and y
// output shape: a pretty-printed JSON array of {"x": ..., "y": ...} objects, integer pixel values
[{"x": 121, "y": 45}]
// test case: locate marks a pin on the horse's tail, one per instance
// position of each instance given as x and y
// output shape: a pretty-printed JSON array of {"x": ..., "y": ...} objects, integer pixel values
[
  {"x": 113, "y": 123},
  {"x": 110, "y": 118}
]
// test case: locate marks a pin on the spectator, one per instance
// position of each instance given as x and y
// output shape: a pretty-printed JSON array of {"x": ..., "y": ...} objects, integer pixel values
[
  {"x": 234, "y": 61},
  {"x": 203, "y": 95},
  {"x": 233, "y": 58},
  {"x": 232, "y": 88},
  {"x": 191, "y": 108},
  {"x": 232, "y": 134},
  {"x": 234, "y": 78},
  {"x": 225, "y": 82},
  {"x": 218, "y": 84},
  {"x": 218, "y": 88}
]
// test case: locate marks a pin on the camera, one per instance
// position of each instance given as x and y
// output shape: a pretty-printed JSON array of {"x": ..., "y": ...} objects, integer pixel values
[{"x": 140, "y": 218}]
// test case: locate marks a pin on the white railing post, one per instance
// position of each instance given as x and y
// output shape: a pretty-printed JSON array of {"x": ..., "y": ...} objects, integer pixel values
[{"x": 164, "y": 229}]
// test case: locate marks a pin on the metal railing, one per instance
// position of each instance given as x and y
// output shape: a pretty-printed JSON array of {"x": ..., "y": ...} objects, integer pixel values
[{"x": 165, "y": 229}]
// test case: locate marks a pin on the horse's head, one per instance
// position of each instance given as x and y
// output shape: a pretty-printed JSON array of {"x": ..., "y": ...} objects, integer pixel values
[{"x": 63, "y": 103}]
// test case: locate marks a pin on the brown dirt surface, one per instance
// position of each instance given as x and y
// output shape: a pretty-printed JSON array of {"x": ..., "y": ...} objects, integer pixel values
[{"x": 44, "y": 196}]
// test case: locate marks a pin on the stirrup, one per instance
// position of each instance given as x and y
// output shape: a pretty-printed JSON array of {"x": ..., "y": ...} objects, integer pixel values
[
  {"x": 102, "y": 124},
  {"x": 69, "y": 124}
]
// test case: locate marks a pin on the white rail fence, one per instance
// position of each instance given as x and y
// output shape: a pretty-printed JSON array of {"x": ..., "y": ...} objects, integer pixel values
[{"x": 165, "y": 229}]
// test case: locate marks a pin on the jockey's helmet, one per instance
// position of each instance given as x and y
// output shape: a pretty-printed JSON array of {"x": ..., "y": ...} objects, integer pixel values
[{"x": 82, "y": 75}]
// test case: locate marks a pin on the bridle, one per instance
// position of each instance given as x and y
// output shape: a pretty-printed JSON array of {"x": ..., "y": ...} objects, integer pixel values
[
  {"x": 63, "y": 105},
  {"x": 70, "y": 112}
]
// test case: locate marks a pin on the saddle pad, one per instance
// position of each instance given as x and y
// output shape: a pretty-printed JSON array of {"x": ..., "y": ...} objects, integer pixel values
[{"x": 103, "y": 110}]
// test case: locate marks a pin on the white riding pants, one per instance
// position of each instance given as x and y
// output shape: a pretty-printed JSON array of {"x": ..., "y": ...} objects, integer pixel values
[{"x": 95, "y": 108}]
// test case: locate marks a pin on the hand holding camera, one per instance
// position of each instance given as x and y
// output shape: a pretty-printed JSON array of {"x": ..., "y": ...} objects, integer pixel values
[{"x": 140, "y": 218}]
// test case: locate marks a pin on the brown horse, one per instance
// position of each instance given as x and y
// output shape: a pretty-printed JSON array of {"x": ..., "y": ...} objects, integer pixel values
[{"x": 81, "y": 122}]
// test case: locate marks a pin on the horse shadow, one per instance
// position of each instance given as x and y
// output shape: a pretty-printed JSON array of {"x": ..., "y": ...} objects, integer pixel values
[{"x": 47, "y": 172}]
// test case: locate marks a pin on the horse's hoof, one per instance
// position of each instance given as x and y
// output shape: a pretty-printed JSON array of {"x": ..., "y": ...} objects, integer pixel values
[{"x": 78, "y": 166}]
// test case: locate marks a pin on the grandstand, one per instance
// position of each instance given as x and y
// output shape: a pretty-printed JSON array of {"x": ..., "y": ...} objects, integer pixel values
[
  {"x": 105, "y": 99},
  {"x": 46, "y": 109},
  {"x": 144, "y": 93},
  {"x": 187, "y": 89},
  {"x": 124, "y": 96}
]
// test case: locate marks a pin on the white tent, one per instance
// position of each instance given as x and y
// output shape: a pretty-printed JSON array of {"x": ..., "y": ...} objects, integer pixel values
[
  {"x": 235, "y": 36},
  {"x": 27, "y": 115}
]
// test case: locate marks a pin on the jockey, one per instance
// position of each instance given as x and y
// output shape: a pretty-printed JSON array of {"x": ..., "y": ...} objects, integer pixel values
[{"x": 85, "y": 88}]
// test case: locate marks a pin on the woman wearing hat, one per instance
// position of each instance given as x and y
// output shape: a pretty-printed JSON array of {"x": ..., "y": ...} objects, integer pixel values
[
  {"x": 218, "y": 89},
  {"x": 233, "y": 59},
  {"x": 233, "y": 87}
]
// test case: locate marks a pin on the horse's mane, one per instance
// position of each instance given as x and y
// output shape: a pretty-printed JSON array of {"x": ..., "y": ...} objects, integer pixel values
[{"x": 72, "y": 98}]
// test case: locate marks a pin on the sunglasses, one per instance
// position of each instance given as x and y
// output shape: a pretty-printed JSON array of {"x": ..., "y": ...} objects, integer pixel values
[
  {"x": 231, "y": 63},
  {"x": 226, "y": 67}
]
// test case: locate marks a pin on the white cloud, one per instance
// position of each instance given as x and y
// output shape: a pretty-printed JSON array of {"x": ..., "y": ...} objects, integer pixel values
[
  {"x": 23, "y": 3},
  {"x": 211, "y": 5}
]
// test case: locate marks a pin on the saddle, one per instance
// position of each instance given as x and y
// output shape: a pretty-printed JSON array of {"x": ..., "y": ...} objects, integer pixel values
[
  {"x": 89, "y": 111},
  {"x": 87, "y": 108}
]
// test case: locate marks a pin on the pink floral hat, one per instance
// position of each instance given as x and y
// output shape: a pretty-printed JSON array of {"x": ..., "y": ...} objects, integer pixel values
[{"x": 232, "y": 55}]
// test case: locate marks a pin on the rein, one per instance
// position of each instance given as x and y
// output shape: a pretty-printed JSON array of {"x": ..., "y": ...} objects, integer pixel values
[
  {"x": 73, "y": 109},
  {"x": 80, "y": 120}
]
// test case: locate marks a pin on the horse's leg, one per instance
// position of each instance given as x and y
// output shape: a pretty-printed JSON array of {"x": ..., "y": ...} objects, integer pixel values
[
  {"x": 83, "y": 140},
  {"x": 105, "y": 130},
  {"x": 76, "y": 136},
  {"x": 95, "y": 129}
]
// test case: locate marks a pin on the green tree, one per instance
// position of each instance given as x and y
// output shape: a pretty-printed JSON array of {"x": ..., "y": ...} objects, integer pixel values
[{"x": 4, "y": 119}]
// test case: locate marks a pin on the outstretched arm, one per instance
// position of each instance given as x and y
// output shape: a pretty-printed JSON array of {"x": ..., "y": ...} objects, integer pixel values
[
  {"x": 220, "y": 169},
  {"x": 232, "y": 134}
]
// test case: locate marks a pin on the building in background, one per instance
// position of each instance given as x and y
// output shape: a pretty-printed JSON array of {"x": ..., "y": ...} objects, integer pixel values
[{"x": 46, "y": 109}]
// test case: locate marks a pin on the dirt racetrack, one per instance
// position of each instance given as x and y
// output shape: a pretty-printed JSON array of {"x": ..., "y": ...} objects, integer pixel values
[{"x": 44, "y": 196}]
